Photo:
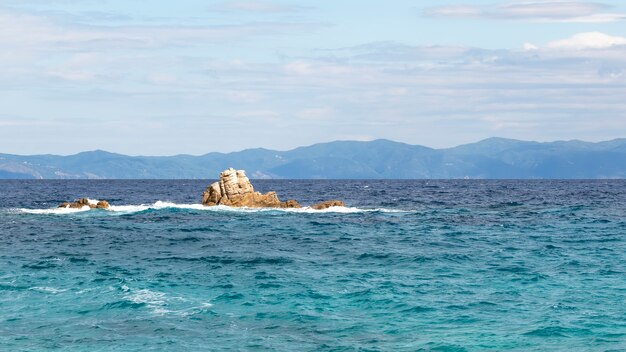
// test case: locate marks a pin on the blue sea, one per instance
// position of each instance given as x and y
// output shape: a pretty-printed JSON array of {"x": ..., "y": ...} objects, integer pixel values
[{"x": 456, "y": 265}]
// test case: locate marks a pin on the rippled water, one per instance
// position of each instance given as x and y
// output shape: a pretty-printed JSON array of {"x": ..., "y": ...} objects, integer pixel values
[{"x": 409, "y": 265}]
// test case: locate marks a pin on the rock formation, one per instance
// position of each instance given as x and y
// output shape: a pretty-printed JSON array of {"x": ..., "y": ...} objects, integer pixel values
[
  {"x": 103, "y": 204},
  {"x": 234, "y": 189},
  {"x": 328, "y": 204}
]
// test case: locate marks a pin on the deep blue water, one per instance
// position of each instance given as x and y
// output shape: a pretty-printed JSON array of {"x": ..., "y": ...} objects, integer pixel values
[{"x": 410, "y": 265}]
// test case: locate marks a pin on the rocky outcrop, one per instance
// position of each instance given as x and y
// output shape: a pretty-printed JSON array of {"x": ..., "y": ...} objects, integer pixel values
[
  {"x": 327, "y": 204},
  {"x": 234, "y": 189},
  {"x": 84, "y": 202}
]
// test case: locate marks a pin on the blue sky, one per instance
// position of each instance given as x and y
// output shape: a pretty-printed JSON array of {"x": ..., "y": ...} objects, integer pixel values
[{"x": 191, "y": 76}]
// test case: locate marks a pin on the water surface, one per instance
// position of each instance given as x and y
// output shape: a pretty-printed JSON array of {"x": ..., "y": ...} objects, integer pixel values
[{"x": 408, "y": 265}]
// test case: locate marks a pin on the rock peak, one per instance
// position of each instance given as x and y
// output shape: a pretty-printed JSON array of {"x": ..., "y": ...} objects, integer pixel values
[{"x": 234, "y": 189}]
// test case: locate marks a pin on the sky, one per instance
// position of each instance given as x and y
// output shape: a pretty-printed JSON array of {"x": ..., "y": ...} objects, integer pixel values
[{"x": 192, "y": 77}]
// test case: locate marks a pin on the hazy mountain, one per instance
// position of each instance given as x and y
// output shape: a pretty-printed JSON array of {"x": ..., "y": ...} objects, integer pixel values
[{"x": 489, "y": 158}]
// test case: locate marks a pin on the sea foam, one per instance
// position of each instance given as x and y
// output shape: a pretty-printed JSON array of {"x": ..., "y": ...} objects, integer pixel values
[{"x": 160, "y": 205}]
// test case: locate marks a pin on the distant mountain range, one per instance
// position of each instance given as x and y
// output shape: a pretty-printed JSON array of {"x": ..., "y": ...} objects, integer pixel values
[{"x": 496, "y": 158}]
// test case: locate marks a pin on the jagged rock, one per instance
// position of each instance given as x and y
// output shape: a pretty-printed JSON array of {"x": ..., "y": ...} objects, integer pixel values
[
  {"x": 291, "y": 203},
  {"x": 328, "y": 204},
  {"x": 77, "y": 204},
  {"x": 103, "y": 204},
  {"x": 234, "y": 189},
  {"x": 212, "y": 195}
]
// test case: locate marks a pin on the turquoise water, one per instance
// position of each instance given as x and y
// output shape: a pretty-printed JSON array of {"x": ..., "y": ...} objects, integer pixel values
[{"x": 408, "y": 265}]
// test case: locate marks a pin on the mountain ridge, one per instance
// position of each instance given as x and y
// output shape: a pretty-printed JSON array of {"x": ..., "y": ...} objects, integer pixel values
[{"x": 493, "y": 157}]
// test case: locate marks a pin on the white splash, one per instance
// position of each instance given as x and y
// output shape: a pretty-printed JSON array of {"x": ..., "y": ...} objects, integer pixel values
[
  {"x": 148, "y": 297},
  {"x": 46, "y": 289},
  {"x": 159, "y": 205},
  {"x": 59, "y": 211},
  {"x": 161, "y": 304}
]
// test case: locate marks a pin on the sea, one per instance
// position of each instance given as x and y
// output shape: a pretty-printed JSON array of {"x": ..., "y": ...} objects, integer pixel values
[{"x": 415, "y": 265}]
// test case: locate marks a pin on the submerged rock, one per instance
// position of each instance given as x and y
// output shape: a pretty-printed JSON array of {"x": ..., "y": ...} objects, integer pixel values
[
  {"x": 103, "y": 204},
  {"x": 234, "y": 189},
  {"x": 327, "y": 204}
]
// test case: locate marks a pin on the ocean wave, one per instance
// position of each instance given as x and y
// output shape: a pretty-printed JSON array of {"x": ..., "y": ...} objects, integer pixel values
[
  {"x": 161, "y": 205},
  {"x": 145, "y": 296},
  {"x": 58, "y": 211},
  {"x": 160, "y": 303},
  {"x": 46, "y": 289}
]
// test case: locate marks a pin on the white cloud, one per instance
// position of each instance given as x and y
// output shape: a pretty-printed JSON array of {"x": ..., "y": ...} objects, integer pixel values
[
  {"x": 596, "y": 18},
  {"x": 548, "y": 9},
  {"x": 73, "y": 75},
  {"x": 383, "y": 89},
  {"x": 543, "y": 11},
  {"x": 244, "y": 97},
  {"x": 255, "y": 6},
  {"x": 530, "y": 47},
  {"x": 588, "y": 40},
  {"x": 320, "y": 113},
  {"x": 503, "y": 123},
  {"x": 455, "y": 11},
  {"x": 40, "y": 47},
  {"x": 259, "y": 113},
  {"x": 41, "y": 33},
  {"x": 316, "y": 68}
]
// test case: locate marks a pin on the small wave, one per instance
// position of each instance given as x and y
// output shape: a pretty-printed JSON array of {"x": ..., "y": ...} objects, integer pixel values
[
  {"x": 135, "y": 299},
  {"x": 146, "y": 296},
  {"x": 57, "y": 211},
  {"x": 46, "y": 289},
  {"x": 558, "y": 331},
  {"x": 159, "y": 303},
  {"x": 161, "y": 205}
]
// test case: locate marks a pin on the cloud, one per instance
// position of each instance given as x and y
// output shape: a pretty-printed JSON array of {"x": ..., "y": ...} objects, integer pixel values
[
  {"x": 475, "y": 84},
  {"x": 589, "y": 40},
  {"x": 24, "y": 30},
  {"x": 548, "y": 11},
  {"x": 152, "y": 83},
  {"x": 530, "y": 46},
  {"x": 317, "y": 69},
  {"x": 36, "y": 46},
  {"x": 256, "y": 6},
  {"x": 319, "y": 113},
  {"x": 595, "y": 18},
  {"x": 503, "y": 123}
]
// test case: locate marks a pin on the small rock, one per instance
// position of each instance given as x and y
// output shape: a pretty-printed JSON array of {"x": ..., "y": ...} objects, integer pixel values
[
  {"x": 290, "y": 203},
  {"x": 327, "y": 204},
  {"x": 103, "y": 204}
]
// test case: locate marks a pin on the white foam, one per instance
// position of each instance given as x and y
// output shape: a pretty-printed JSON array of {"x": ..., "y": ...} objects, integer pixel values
[
  {"x": 156, "y": 206},
  {"x": 61, "y": 210},
  {"x": 58, "y": 211},
  {"x": 129, "y": 209},
  {"x": 46, "y": 289},
  {"x": 148, "y": 297},
  {"x": 160, "y": 303},
  {"x": 344, "y": 210}
]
